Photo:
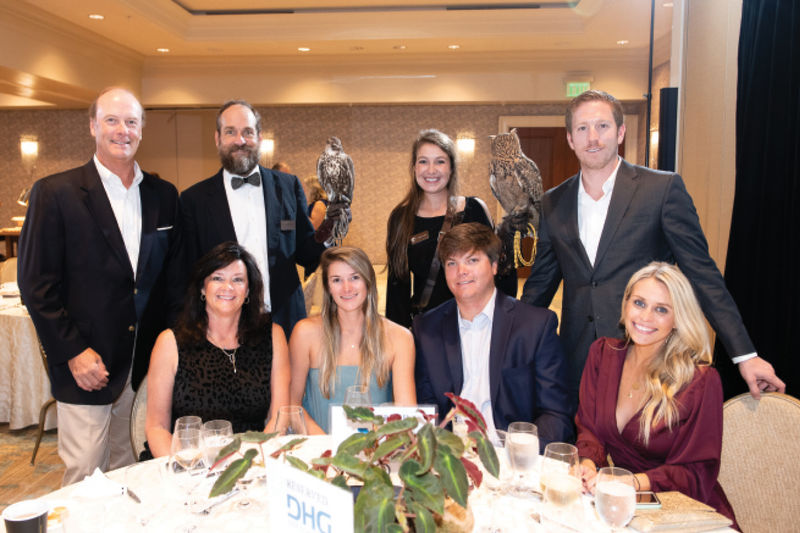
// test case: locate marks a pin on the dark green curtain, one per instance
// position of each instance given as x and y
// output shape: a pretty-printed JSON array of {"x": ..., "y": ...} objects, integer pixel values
[{"x": 763, "y": 266}]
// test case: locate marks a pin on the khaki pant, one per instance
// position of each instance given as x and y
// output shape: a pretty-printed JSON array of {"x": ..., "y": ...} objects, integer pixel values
[{"x": 95, "y": 436}]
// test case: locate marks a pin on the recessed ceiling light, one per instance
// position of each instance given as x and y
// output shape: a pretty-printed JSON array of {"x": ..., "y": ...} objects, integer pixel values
[
  {"x": 356, "y": 48},
  {"x": 623, "y": 42},
  {"x": 399, "y": 47},
  {"x": 454, "y": 46},
  {"x": 162, "y": 50},
  {"x": 96, "y": 16},
  {"x": 303, "y": 49},
  {"x": 668, "y": 4}
]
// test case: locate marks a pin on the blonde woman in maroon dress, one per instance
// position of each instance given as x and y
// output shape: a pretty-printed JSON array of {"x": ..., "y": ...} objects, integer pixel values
[{"x": 652, "y": 401}]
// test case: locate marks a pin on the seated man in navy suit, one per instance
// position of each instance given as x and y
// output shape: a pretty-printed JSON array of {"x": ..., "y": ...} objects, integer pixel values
[{"x": 499, "y": 353}]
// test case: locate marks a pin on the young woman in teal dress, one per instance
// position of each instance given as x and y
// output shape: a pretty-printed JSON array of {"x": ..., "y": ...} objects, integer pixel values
[{"x": 349, "y": 343}]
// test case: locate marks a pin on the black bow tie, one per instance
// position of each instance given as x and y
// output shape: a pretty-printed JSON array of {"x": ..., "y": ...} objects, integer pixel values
[{"x": 253, "y": 179}]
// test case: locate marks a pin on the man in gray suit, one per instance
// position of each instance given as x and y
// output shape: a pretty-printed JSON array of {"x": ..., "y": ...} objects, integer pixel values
[{"x": 603, "y": 224}]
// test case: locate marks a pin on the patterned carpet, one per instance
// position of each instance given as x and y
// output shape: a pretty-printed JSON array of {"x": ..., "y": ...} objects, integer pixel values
[{"x": 18, "y": 479}]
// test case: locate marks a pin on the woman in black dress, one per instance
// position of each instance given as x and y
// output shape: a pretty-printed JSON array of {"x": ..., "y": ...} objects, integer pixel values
[
  {"x": 415, "y": 223},
  {"x": 224, "y": 356}
]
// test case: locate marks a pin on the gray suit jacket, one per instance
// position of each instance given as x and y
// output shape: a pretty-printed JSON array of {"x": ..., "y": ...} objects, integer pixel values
[{"x": 651, "y": 217}]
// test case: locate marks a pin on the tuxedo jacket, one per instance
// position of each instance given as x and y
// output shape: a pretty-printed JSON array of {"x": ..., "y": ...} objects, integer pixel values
[
  {"x": 78, "y": 283},
  {"x": 651, "y": 217},
  {"x": 527, "y": 370},
  {"x": 207, "y": 222}
]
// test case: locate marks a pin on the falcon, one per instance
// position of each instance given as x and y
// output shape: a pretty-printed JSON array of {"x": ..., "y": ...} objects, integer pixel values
[{"x": 336, "y": 174}]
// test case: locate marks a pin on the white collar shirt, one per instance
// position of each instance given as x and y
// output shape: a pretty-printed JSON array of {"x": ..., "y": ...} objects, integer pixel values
[
  {"x": 476, "y": 341},
  {"x": 126, "y": 203},
  {"x": 592, "y": 214},
  {"x": 249, "y": 215}
]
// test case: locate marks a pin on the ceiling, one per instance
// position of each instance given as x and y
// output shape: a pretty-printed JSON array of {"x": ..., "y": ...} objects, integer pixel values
[{"x": 361, "y": 27}]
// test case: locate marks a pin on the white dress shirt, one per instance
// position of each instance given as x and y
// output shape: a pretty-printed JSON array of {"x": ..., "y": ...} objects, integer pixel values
[
  {"x": 476, "y": 341},
  {"x": 126, "y": 203},
  {"x": 249, "y": 214},
  {"x": 592, "y": 214}
]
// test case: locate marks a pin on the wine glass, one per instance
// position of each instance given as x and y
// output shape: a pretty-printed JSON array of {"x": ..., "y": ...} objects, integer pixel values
[
  {"x": 615, "y": 496},
  {"x": 185, "y": 464},
  {"x": 290, "y": 421},
  {"x": 188, "y": 422},
  {"x": 357, "y": 396},
  {"x": 522, "y": 445},
  {"x": 216, "y": 434},
  {"x": 561, "y": 482}
]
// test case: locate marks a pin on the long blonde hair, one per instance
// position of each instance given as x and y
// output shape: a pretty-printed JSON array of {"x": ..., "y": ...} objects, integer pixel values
[
  {"x": 372, "y": 348},
  {"x": 687, "y": 347}
]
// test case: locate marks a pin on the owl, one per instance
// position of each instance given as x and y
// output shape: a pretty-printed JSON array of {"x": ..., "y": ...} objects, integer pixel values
[
  {"x": 515, "y": 181},
  {"x": 336, "y": 174}
]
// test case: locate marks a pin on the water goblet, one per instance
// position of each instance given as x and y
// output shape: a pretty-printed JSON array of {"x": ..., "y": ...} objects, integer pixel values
[
  {"x": 522, "y": 445},
  {"x": 615, "y": 496},
  {"x": 561, "y": 482},
  {"x": 290, "y": 421},
  {"x": 357, "y": 396},
  {"x": 216, "y": 434},
  {"x": 185, "y": 465},
  {"x": 188, "y": 422}
]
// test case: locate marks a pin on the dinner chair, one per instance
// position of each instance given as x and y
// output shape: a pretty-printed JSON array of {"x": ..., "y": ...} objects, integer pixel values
[
  {"x": 8, "y": 270},
  {"x": 138, "y": 414},
  {"x": 310, "y": 291},
  {"x": 43, "y": 411},
  {"x": 760, "y": 447}
]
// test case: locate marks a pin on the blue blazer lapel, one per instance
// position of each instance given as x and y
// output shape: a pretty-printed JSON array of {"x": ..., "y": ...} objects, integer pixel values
[
  {"x": 502, "y": 325},
  {"x": 624, "y": 189},
  {"x": 218, "y": 198},
  {"x": 149, "y": 220},
  {"x": 98, "y": 204},
  {"x": 566, "y": 220},
  {"x": 272, "y": 203},
  {"x": 452, "y": 348}
]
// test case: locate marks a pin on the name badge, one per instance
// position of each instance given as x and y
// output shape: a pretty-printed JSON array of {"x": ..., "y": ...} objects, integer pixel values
[
  {"x": 288, "y": 225},
  {"x": 419, "y": 237}
]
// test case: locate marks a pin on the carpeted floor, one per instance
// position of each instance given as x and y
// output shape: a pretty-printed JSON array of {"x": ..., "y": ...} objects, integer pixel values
[{"x": 18, "y": 479}]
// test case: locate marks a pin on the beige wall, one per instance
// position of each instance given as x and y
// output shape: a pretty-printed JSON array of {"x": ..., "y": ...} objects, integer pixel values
[{"x": 707, "y": 153}]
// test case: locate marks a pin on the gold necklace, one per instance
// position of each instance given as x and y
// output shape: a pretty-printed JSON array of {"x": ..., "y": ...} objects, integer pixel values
[{"x": 634, "y": 387}]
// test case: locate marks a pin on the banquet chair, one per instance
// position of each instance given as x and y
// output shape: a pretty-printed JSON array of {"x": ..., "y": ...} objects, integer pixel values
[
  {"x": 8, "y": 270},
  {"x": 43, "y": 411},
  {"x": 760, "y": 446},
  {"x": 138, "y": 414}
]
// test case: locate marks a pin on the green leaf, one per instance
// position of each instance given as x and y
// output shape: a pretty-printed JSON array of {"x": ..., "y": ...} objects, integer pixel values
[
  {"x": 426, "y": 443},
  {"x": 423, "y": 522},
  {"x": 319, "y": 474},
  {"x": 257, "y": 436},
  {"x": 394, "y": 528},
  {"x": 292, "y": 444},
  {"x": 362, "y": 414},
  {"x": 234, "y": 472},
  {"x": 390, "y": 445},
  {"x": 487, "y": 453},
  {"x": 397, "y": 426},
  {"x": 374, "y": 508},
  {"x": 350, "y": 464},
  {"x": 321, "y": 461},
  {"x": 425, "y": 489},
  {"x": 357, "y": 442},
  {"x": 229, "y": 448},
  {"x": 451, "y": 440},
  {"x": 340, "y": 481},
  {"x": 453, "y": 475},
  {"x": 297, "y": 463}
]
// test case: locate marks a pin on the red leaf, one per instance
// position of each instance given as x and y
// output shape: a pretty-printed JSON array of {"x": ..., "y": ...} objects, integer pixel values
[
  {"x": 473, "y": 471},
  {"x": 393, "y": 417},
  {"x": 468, "y": 409},
  {"x": 324, "y": 468}
]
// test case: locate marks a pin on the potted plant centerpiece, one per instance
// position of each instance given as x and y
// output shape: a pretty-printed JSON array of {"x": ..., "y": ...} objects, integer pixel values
[{"x": 435, "y": 472}]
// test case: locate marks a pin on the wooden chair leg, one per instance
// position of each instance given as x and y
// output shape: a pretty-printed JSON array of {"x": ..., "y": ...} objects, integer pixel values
[{"x": 40, "y": 432}]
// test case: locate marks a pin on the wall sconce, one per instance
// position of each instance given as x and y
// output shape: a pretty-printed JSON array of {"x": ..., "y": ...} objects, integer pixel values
[
  {"x": 28, "y": 147},
  {"x": 466, "y": 145},
  {"x": 267, "y": 149}
]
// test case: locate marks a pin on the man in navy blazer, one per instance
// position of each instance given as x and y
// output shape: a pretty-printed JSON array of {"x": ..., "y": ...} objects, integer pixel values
[
  {"x": 605, "y": 223},
  {"x": 263, "y": 210},
  {"x": 499, "y": 353},
  {"x": 91, "y": 264}
]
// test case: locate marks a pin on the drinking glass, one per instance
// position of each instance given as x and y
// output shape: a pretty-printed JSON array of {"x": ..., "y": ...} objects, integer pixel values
[
  {"x": 561, "y": 482},
  {"x": 615, "y": 496},
  {"x": 290, "y": 421},
  {"x": 185, "y": 465},
  {"x": 357, "y": 396},
  {"x": 522, "y": 445},
  {"x": 216, "y": 434}
]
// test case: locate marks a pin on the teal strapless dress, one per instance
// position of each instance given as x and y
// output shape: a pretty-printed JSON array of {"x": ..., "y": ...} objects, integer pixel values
[{"x": 318, "y": 405}]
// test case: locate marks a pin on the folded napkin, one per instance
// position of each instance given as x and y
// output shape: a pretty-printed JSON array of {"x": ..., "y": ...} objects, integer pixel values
[
  {"x": 9, "y": 288},
  {"x": 678, "y": 513},
  {"x": 98, "y": 485}
]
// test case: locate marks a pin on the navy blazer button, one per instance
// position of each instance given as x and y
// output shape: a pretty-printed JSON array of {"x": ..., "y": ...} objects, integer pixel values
[
  {"x": 590, "y": 318},
  {"x": 594, "y": 284},
  {"x": 135, "y": 290},
  {"x": 131, "y": 328}
]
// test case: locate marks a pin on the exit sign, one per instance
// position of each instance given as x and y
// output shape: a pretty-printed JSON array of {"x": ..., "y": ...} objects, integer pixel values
[{"x": 574, "y": 88}]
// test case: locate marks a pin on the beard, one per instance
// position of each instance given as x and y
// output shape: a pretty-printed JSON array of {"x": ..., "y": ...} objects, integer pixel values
[{"x": 240, "y": 164}]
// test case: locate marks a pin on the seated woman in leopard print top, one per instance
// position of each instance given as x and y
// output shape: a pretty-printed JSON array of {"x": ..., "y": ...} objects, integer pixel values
[{"x": 224, "y": 355}]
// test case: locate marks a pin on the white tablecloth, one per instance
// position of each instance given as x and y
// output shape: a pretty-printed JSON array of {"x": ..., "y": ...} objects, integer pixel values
[
  {"x": 163, "y": 508},
  {"x": 24, "y": 385}
]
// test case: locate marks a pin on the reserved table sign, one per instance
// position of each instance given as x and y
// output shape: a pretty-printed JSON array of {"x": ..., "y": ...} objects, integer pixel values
[
  {"x": 300, "y": 502},
  {"x": 341, "y": 427}
]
